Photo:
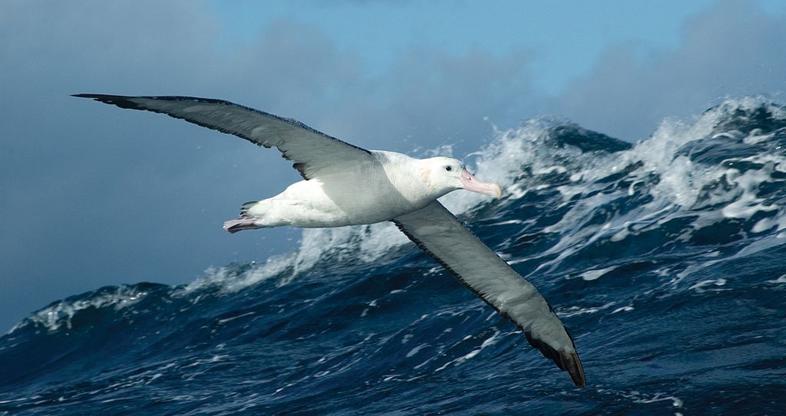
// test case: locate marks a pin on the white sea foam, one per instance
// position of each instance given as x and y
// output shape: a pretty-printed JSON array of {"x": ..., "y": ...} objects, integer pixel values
[
  {"x": 710, "y": 285},
  {"x": 577, "y": 310},
  {"x": 781, "y": 279},
  {"x": 416, "y": 350},
  {"x": 675, "y": 401},
  {"x": 493, "y": 339},
  {"x": 595, "y": 274},
  {"x": 59, "y": 314},
  {"x": 626, "y": 308},
  {"x": 705, "y": 193}
]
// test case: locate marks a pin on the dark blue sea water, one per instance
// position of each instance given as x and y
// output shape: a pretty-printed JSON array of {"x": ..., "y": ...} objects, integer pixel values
[{"x": 666, "y": 260}]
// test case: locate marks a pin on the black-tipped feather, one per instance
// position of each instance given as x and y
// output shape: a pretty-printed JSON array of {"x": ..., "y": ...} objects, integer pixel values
[{"x": 566, "y": 361}]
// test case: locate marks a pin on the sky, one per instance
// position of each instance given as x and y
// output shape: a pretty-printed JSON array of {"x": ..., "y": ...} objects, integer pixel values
[{"x": 92, "y": 195}]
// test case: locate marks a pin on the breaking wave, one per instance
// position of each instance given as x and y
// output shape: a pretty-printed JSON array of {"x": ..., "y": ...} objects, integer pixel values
[{"x": 664, "y": 258}]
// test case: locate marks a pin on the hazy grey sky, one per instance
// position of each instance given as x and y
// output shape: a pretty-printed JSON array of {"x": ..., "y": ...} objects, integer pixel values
[{"x": 92, "y": 195}]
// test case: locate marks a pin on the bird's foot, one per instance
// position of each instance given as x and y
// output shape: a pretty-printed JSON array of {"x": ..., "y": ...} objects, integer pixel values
[{"x": 240, "y": 224}]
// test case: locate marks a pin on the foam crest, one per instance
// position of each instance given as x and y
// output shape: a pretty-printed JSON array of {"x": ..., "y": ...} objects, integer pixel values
[
  {"x": 365, "y": 243},
  {"x": 678, "y": 185},
  {"x": 60, "y": 313},
  {"x": 514, "y": 159}
]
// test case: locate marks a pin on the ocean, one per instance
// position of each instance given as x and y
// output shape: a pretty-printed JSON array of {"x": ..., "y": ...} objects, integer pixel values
[{"x": 664, "y": 258}]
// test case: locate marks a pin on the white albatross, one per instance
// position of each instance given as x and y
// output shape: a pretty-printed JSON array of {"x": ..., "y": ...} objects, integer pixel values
[{"x": 346, "y": 185}]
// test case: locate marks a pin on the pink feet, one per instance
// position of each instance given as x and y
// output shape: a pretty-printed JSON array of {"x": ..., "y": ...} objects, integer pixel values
[{"x": 240, "y": 224}]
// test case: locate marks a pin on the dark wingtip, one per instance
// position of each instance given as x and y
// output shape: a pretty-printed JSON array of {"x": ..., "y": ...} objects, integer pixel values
[
  {"x": 573, "y": 366},
  {"x": 93, "y": 96},
  {"x": 566, "y": 361},
  {"x": 118, "y": 100}
]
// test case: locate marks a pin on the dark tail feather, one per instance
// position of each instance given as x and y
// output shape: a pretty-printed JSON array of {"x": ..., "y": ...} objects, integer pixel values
[{"x": 245, "y": 207}]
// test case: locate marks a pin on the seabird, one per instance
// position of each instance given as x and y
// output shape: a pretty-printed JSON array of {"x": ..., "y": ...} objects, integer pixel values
[{"x": 346, "y": 185}]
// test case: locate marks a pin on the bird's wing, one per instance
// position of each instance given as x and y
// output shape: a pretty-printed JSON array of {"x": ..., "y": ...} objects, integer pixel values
[
  {"x": 435, "y": 230},
  {"x": 312, "y": 151}
]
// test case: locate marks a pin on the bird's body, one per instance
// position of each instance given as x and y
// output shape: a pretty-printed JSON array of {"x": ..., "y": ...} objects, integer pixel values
[
  {"x": 387, "y": 185},
  {"x": 347, "y": 185}
]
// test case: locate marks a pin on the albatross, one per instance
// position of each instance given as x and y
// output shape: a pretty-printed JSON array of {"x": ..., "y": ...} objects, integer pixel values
[{"x": 345, "y": 185}]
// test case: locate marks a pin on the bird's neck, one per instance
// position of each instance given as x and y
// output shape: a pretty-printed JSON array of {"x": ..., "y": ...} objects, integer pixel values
[{"x": 410, "y": 177}]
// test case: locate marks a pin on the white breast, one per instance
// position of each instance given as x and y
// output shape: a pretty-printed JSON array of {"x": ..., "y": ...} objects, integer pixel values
[{"x": 360, "y": 193}]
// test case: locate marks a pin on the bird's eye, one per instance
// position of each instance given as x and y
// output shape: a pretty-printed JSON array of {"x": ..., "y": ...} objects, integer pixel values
[{"x": 448, "y": 168}]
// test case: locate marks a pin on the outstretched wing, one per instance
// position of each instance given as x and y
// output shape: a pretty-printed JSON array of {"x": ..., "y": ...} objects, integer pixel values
[
  {"x": 312, "y": 151},
  {"x": 435, "y": 230}
]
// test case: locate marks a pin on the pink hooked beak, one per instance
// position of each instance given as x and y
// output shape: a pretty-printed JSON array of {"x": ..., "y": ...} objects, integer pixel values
[{"x": 471, "y": 184}]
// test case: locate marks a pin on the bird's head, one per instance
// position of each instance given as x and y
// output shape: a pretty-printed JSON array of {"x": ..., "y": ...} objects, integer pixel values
[{"x": 443, "y": 175}]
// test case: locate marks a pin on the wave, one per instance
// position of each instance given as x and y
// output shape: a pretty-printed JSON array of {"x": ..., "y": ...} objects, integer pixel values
[{"x": 626, "y": 240}]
